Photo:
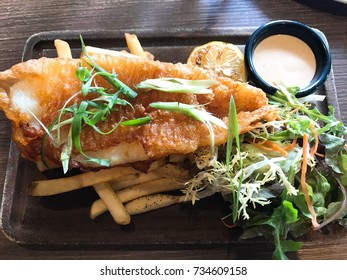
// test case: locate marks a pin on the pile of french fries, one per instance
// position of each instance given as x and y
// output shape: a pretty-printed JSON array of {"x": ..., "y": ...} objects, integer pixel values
[{"x": 123, "y": 191}]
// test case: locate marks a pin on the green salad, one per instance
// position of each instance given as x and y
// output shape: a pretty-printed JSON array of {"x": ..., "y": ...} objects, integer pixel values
[{"x": 282, "y": 179}]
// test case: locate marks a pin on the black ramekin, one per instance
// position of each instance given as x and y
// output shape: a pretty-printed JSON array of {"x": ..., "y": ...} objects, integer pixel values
[{"x": 312, "y": 37}]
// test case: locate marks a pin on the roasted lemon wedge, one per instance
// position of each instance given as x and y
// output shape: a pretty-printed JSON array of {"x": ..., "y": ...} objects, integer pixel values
[{"x": 224, "y": 58}]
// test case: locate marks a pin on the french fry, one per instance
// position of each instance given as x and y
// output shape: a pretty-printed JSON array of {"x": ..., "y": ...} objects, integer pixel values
[
  {"x": 152, "y": 202},
  {"x": 173, "y": 171},
  {"x": 135, "y": 47},
  {"x": 140, "y": 178},
  {"x": 98, "y": 207},
  {"x": 94, "y": 50},
  {"x": 173, "y": 158},
  {"x": 160, "y": 185},
  {"x": 112, "y": 202},
  {"x": 159, "y": 171},
  {"x": 61, "y": 185},
  {"x": 156, "y": 186},
  {"x": 126, "y": 178},
  {"x": 156, "y": 164},
  {"x": 63, "y": 49},
  {"x": 133, "y": 44}
]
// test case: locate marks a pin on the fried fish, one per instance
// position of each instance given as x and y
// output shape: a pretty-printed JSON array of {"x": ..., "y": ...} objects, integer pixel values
[{"x": 32, "y": 94}]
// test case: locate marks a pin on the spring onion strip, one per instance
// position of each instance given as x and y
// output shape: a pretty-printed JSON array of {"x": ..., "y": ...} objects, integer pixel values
[
  {"x": 233, "y": 133},
  {"x": 176, "y": 85},
  {"x": 136, "y": 122}
]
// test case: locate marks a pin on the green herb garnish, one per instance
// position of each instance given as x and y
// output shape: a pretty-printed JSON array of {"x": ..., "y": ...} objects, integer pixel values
[
  {"x": 271, "y": 180},
  {"x": 176, "y": 85},
  {"x": 90, "y": 112},
  {"x": 110, "y": 78},
  {"x": 233, "y": 133}
]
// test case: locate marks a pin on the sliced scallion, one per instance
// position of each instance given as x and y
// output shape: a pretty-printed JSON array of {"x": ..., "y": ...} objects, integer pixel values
[
  {"x": 233, "y": 133},
  {"x": 176, "y": 85}
]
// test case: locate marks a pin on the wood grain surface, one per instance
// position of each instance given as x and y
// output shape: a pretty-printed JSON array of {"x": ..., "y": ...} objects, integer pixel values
[{"x": 21, "y": 19}]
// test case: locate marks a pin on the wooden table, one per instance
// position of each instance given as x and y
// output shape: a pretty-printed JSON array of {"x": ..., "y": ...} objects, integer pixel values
[{"x": 20, "y": 19}]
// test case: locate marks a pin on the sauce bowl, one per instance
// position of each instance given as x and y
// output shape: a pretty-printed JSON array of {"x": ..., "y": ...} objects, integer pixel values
[{"x": 313, "y": 38}]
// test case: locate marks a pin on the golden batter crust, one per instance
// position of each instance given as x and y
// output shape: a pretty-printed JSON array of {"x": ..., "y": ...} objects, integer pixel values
[{"x": 53, "y": 81}]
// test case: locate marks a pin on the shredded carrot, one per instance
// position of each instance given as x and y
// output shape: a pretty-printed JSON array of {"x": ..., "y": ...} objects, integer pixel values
[
  {"x": 294, "y": 110},
  {"x": 315, "y": 147},
  {"x": 261, "y": 146},
  {"x": 270, "y": 146},
  {"x": 276, "y": 147},
  {"x": 291, "y": 146},
  {"x": 303, "y": 181},
  {"x": 228, "y": 225}
]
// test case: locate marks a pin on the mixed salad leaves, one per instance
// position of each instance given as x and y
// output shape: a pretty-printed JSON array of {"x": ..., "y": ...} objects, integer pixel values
[{"x": 283, "y": 178}]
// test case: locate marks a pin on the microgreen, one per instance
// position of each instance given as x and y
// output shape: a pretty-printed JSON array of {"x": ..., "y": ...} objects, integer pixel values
[
  {"x": 285, "y": 98},
  {"x": 175, "y": 85},
  {"x": 111, "y": 78}
]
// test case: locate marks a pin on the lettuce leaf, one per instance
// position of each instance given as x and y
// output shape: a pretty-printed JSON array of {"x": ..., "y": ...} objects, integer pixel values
[
  {"x": 276, "y": 227},
  {"x": 333, "y": 147}
]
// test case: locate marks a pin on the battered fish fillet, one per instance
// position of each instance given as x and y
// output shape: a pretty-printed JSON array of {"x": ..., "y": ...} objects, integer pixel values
[{"x": 33, "y": 92}]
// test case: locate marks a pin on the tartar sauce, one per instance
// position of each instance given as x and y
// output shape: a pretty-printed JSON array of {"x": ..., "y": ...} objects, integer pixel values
[{"x": 284, "y": 59}]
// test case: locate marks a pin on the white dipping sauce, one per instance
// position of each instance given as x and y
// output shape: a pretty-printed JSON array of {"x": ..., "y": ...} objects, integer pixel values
[{"x": 284, "y": 59}]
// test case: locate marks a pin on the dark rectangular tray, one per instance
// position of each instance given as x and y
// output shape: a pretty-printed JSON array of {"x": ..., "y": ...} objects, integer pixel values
[{"x": 63, "y": 220}]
